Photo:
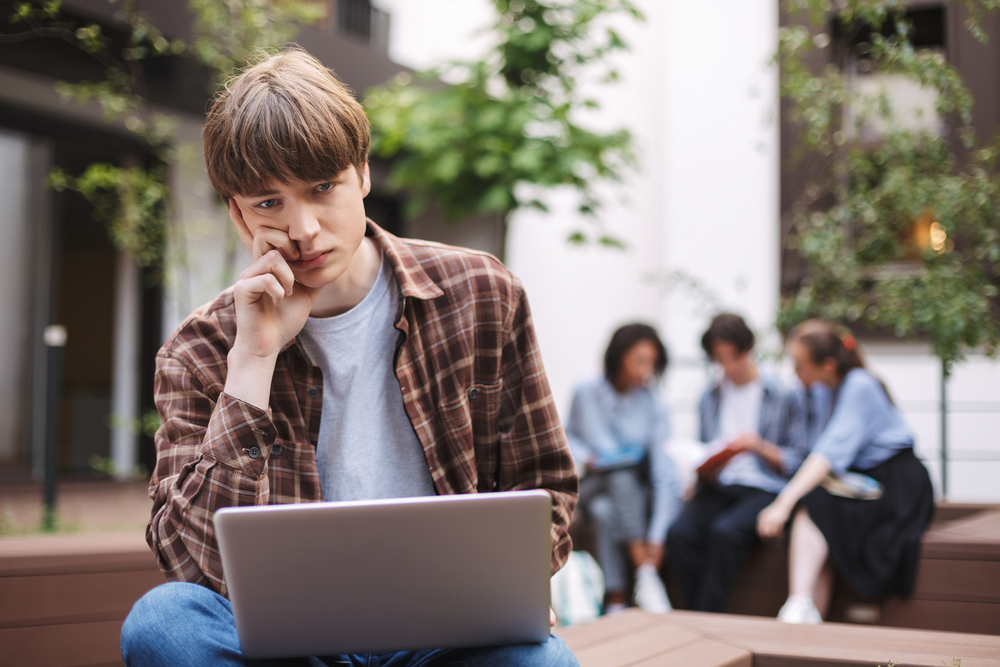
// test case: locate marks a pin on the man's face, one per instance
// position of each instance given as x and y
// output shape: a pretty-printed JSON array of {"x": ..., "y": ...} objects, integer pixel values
[
  {"x": 733, "y": 362},
  {"x": 317, "y": 226}
]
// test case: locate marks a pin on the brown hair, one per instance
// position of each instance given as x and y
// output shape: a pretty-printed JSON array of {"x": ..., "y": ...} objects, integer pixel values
[
  {"x": 284, "y": 117},
  {"x": 622, "y": 341},
  {"x": 825, "y": 340},
  {"x": 729, "y": 328}
]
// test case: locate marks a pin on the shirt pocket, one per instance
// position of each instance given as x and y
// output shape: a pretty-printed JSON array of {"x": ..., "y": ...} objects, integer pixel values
[{"x": 470, "y": 423}]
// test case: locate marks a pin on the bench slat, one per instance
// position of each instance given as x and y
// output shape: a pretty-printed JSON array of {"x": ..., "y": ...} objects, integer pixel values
[
  {"x": 68, "y": 598},
  {"x": 701, "y": 653},
  {"x": 72, "y": 645},
  {"x": 627, "y": 649},
  {"x": 584, "y": 634}
]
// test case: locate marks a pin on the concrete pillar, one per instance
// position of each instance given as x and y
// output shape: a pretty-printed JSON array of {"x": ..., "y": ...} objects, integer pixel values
[
  {"x": 125, "y": 365},
  {"x": 15, "y": 294}
]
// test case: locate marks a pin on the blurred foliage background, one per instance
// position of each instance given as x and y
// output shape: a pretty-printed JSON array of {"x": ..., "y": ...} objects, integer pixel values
[
  {"x": 134, "y": 201},
  {"x": 512, "y": 119},
  {"x": 901, "y": 233}
]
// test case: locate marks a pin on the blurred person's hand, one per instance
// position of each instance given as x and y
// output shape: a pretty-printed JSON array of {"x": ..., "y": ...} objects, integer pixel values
[
  {"x": 746, "y": 442},
  {"x": 770, "y": 453},
  {"x": 772, "y": 519}
]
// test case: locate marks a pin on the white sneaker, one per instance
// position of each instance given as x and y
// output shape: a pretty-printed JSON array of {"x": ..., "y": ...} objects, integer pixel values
[
  {"x": 649, "y": 591},
  {"x": 800, "y": 609}
]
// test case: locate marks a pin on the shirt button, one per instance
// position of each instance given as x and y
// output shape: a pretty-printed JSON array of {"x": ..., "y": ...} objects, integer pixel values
[
  {"x": 473, "y": 393},
  {"x": 276, "y": 449},
  {"x": 313, "y": 393},
  {"x": 254, "y": 452}
]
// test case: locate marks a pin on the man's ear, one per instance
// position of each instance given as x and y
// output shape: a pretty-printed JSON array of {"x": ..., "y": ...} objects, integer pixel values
[
  {"x": 366, "y": 181},
  {"x": 236, "y": 216}
]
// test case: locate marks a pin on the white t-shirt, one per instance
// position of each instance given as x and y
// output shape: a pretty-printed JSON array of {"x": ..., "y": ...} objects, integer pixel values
[
  {"x": 367, "y": 448},
  {"x": 739, "y": 413}
]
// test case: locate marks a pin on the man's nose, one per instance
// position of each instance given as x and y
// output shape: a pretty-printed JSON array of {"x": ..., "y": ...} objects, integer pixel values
[{"x": 304, "y": 225}]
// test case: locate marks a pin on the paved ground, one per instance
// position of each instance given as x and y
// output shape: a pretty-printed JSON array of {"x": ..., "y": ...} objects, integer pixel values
[{"x": 92, "y": 506}]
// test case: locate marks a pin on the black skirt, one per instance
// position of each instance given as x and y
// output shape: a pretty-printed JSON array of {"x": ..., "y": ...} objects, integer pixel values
[{"x": 875, "y": 544}]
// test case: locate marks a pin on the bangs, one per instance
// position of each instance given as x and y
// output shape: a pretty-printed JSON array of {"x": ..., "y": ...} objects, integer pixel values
[{"x": 287, "y": 118}]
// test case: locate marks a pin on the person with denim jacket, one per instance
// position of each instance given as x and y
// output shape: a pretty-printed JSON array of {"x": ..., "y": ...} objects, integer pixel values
[{"x": 763, "y": 419}]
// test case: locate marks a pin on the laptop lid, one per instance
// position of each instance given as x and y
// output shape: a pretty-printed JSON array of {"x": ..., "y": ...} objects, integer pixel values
[{"x": 388, "y": 575}]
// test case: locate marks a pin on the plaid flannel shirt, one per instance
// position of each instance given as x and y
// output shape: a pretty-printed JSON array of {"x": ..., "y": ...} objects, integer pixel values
[{"x": 473, "y": 387}]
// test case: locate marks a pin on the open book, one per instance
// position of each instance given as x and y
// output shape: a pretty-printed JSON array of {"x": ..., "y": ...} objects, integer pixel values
[{"x": 719, "y": 455}]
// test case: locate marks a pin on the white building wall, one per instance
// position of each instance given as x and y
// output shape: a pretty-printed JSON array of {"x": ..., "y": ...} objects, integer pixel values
[
  {"x": 913, "y": 377},
  {"x": 700, "y": 217},
  {"x": 700, "y": 220}
]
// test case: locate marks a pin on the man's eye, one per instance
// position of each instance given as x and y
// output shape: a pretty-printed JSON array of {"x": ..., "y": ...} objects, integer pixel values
[
  {"x": 268, "y": 203},
  {"x": 324, "y": 187}
]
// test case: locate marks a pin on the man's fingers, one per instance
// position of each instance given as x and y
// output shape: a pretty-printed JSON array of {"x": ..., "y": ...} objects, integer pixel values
[
  {"x": 274, "y": 264},
  {"x": 268, "y": 238},
  {"x": 262, "y": 240},
  {"x": 251, "y": 289}
]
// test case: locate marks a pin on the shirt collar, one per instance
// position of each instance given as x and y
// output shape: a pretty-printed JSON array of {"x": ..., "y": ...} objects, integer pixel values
[{"x": 413, "y": 280}]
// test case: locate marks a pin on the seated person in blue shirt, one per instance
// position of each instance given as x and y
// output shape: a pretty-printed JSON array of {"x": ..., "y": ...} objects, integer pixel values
[
  {"x": 752, "y": 413},
  {"x": 616, "y": 429},
  {"x": 873, "y": 544}
]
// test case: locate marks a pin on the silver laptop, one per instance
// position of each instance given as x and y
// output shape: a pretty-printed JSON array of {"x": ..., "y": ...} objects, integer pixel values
[{"x": 388, "y": 575}]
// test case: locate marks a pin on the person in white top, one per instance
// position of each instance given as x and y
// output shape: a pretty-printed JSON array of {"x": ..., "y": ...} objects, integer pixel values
[{"x": 762, "y": 420}]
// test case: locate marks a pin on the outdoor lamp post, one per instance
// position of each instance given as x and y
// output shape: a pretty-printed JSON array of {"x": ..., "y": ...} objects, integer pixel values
[{"x": 55, "y": 341}]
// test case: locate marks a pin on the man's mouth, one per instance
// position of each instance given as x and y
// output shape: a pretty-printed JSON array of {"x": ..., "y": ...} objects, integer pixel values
[{"x": 311, "y": 260}]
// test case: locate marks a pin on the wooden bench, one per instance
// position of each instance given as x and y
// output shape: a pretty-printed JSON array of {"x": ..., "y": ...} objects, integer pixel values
[
  {"x": 63, "y": 598},
  {"x": 957, "y": 587},
  {"x": 641, "y": 639}
]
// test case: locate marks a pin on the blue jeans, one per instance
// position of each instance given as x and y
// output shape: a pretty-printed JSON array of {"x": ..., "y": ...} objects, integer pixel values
[{"x": 181, "y": 625}]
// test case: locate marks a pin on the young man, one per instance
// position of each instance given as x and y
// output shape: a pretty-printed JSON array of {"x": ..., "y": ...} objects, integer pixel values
[
  {"x": 752, "y": 412},
  {"x": 345, "y": 363}
]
